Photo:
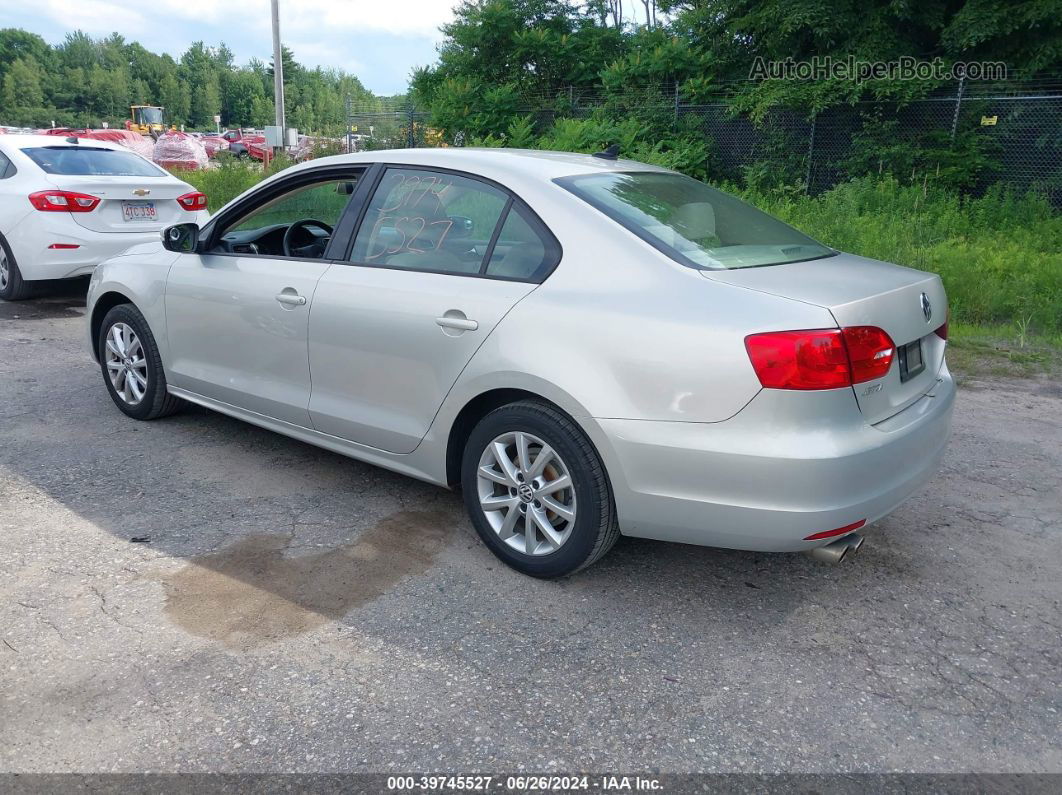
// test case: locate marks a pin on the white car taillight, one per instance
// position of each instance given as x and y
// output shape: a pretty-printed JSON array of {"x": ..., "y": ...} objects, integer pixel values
[
  {"x": 193, "y": 201},
  {"x": 63, "y": 201}
]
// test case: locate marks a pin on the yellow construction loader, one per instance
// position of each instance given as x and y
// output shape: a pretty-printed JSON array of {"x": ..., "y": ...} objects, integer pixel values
[{"x": 146, "y": 120}]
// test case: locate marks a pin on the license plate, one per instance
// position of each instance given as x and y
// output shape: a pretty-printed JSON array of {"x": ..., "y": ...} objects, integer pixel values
[
  {"x": 911, "y": 361},
  {"x": 139, "y": 211}
]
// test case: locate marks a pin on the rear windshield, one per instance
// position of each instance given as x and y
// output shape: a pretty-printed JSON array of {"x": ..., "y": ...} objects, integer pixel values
[
  {"x": 91, "y": 161},
  {"x": 696, "y": 225}
]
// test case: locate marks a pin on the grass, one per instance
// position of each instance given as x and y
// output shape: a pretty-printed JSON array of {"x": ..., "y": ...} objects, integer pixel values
[
  {"x": 1001, "y": 351},
  {"x": 1000, "y": 255},
  {"x": 229, "y": 177}
]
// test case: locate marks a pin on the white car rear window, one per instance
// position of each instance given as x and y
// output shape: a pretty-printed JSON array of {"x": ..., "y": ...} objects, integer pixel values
[{"x": 91, "y": 161}]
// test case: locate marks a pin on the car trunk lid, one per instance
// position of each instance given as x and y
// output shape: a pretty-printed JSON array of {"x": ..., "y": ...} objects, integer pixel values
[
  {"x": 127, "y": 204},
  {"x": 909, "y": 305}
]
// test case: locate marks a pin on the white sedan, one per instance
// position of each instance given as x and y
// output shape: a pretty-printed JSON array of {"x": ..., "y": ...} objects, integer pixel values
[{"x": 68, "y": 203}]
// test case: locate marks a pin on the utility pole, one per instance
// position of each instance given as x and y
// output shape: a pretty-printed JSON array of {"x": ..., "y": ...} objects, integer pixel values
[{"x": 278, "y": 70}]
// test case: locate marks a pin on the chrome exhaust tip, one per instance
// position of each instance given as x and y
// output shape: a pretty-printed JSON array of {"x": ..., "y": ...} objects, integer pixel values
[{"x": 838, "y": 550}]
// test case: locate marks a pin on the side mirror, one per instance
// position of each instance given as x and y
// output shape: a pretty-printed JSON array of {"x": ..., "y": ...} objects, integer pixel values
[
  {"x": 462, "y": 226},
  {"x": 182, "y": 238}
]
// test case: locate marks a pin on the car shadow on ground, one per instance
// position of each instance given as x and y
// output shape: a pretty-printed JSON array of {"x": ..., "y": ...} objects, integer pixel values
[{"x": 56, "y": 299}]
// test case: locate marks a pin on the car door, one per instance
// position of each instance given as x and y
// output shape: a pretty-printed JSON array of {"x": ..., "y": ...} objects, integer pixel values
[
  {"x": 437, "y": 261},
  {"x": 237, "y": 310}
]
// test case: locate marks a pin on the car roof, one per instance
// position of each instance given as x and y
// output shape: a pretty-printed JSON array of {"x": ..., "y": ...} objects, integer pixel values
[
  {"x": 495, "y": 163},
  {"x": 20, "y": 141}
]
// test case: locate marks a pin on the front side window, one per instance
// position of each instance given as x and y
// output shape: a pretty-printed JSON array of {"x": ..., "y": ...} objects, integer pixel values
[
  {"x": 84, "y": 161},
  {"x": 692, "y": 223},
  {"x": 428, "y": 220},
  {"x": 296, "y": 223}
]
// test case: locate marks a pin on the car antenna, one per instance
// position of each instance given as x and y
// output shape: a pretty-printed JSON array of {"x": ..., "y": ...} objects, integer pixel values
[{"x": 609, "y": 154}]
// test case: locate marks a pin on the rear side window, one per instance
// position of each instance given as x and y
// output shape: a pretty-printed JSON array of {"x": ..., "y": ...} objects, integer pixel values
[
  {"x": 442, "y": 222},
  {"x": 84, "y": 161},
  {"x": 429, "y": 221},
  {"x": 520, "y": 252},
  {"x": 7, "y": 169}
]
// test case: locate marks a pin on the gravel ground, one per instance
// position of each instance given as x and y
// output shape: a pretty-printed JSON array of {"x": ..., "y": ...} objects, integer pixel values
[{"x": 197, "y": 594}]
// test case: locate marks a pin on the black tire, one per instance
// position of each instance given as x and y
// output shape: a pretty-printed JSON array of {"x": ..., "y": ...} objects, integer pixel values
[
  {"x": 16, "y": 288},
  {"x": 156, "y": 401},
  {"x": 595, "y": 528}
]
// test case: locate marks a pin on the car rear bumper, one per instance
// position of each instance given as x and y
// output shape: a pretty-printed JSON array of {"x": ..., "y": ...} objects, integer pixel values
[
  {"x": 783, "y": 468},
  {"x": 32, "y": 236}
]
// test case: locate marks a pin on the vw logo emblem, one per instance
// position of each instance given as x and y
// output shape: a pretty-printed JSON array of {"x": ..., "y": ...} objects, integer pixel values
[
  {"x": 927, "y": 308},
  {"x": 526, "y": 493}
]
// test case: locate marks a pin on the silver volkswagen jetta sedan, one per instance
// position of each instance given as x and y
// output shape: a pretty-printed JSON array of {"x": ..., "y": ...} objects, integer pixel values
[{"x": 588, "y": 345}]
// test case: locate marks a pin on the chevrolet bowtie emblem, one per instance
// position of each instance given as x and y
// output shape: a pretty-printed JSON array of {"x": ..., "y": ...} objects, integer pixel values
[{"x": 141, "y": 192}]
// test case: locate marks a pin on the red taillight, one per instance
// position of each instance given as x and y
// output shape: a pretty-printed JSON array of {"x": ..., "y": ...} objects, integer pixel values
[
  {"x": 820, "y": 358},
  {"x": 193, "y": 201},
  {"x": 63, "y": 201},
  {"x": 870, "y": 350},
  {"x": 799, "y": 359},
  {"x": 942, "y": 332},
  {"x": 64, "y": 246}
]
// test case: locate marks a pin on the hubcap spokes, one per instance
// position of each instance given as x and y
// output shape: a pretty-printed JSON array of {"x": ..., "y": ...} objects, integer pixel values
[
  {"x": 5, "y": 272},
  {"x": 126, "y": 364},
  {"x": 526, "y": 493}
]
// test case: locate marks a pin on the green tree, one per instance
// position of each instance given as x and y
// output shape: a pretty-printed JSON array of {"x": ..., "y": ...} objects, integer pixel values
[
  {"x": 243, "y": 89},
  {"x": 291, "y": 68},
  {"x": 170, "y": 96},
  {"x": 263, "y": 111},
  {"x": 22, "y": 93},
  {"x": 206, "y": 103},
  {"x": 107, "y": 94},
  {"x": 15, "y": 44}
]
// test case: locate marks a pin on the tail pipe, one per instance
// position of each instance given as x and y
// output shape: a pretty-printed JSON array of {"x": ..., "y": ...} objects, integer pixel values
[{"x": 838, "y": 550}]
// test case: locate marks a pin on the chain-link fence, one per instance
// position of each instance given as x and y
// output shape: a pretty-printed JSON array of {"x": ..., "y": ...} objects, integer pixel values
[
  {"x": 971, "y": 139},
  {"x": 973, "y": 142},
  {"x": 388, "y": 123}
]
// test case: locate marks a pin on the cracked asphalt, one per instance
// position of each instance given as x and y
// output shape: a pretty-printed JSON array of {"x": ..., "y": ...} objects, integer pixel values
[{"x": 196, "y": 594}]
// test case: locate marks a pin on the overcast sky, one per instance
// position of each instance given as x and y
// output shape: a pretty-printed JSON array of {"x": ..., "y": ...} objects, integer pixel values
[{"x": 380, "y": 41}]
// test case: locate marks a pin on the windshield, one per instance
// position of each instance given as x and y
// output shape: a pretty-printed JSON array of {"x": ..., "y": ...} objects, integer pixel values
[
  {"x": 696, "y": 225},
  {"x": 91, "y": 161},
  {"x": 150, "y": 115}
]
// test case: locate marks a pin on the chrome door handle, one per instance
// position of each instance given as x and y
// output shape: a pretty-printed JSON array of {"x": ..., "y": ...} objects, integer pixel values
[
  {"x": 462, "y": 323},
  {"x": 291, "y": 299}
]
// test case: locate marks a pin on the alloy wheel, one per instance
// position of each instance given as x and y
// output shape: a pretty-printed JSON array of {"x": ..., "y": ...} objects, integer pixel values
[
  {"x": 526, "y": 493},
  {"x": 5, "y": 270},
  {"x": 126, "y": 363}
]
